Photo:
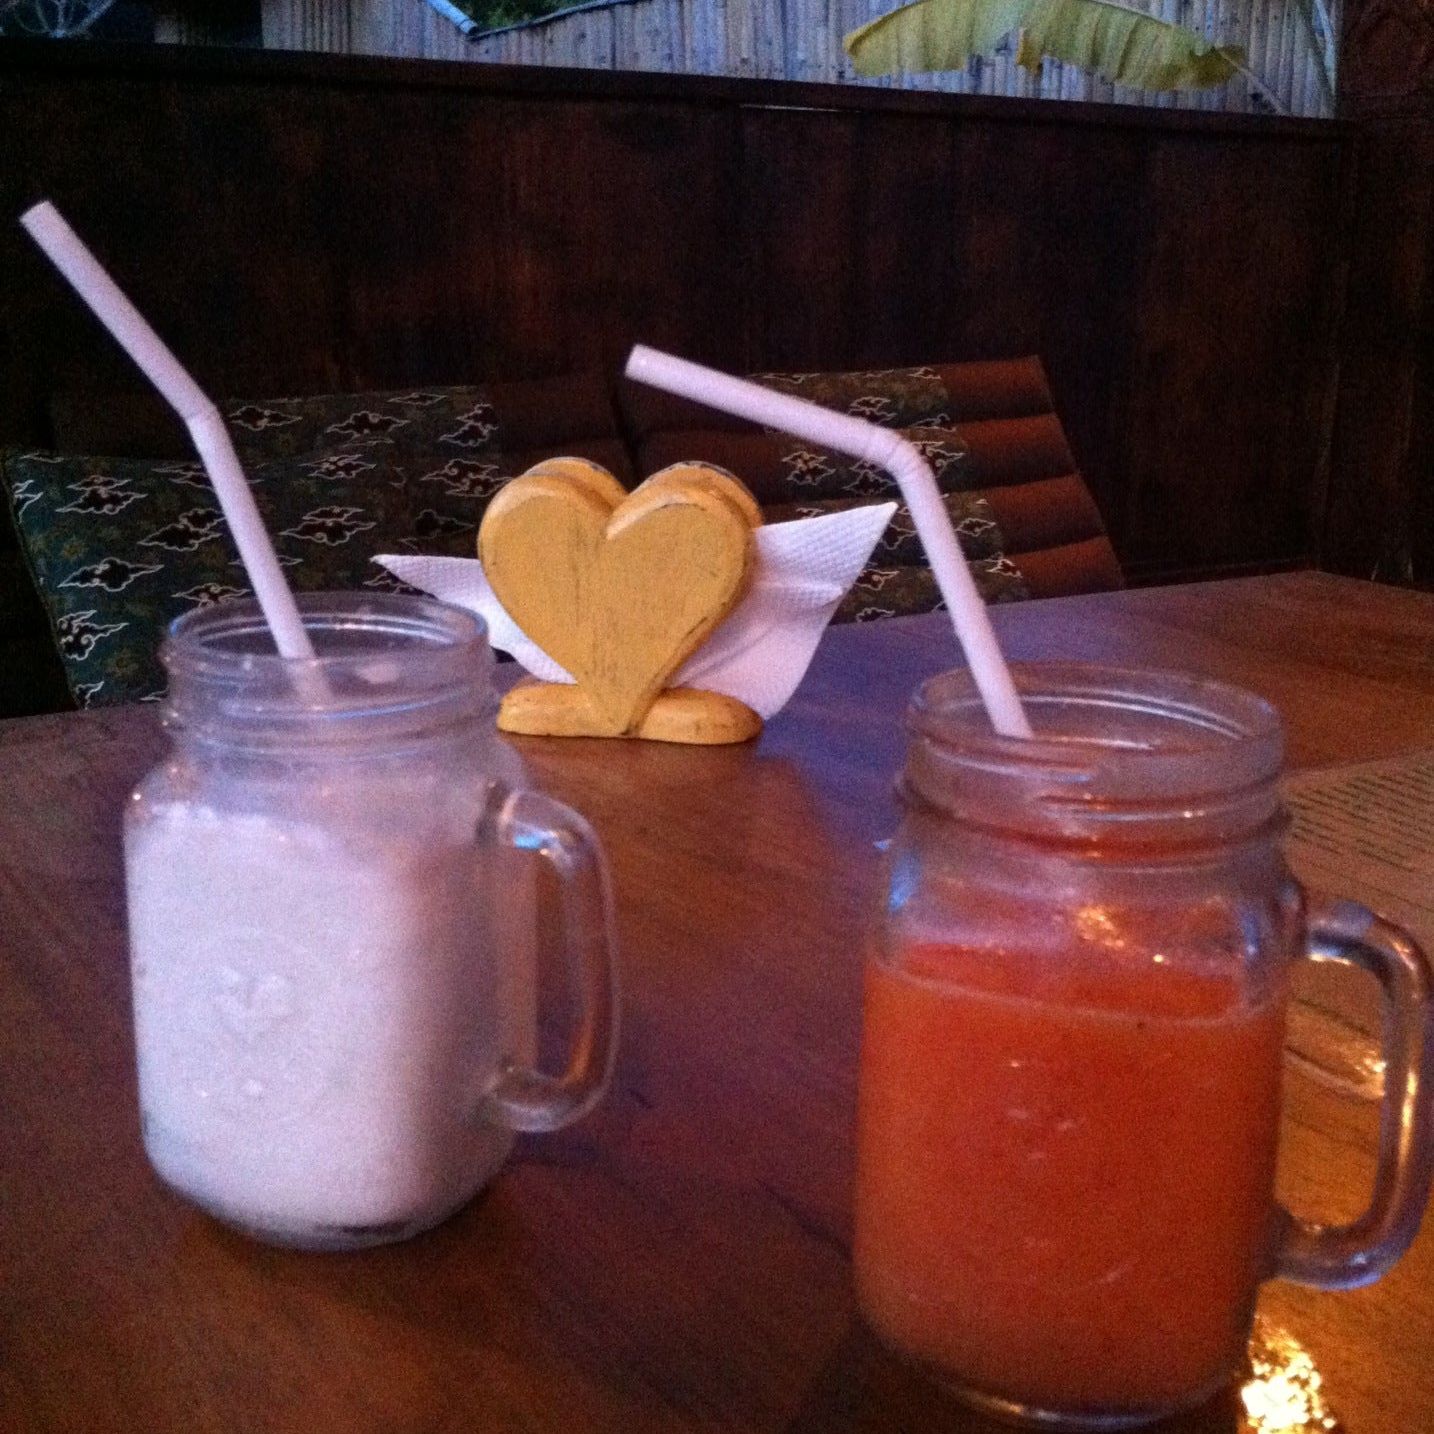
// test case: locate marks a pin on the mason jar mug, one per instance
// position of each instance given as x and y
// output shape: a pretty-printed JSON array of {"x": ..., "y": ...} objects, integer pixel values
[
  {"x": 332, "y": 930},
  {"x": 1069, "y": 1094}
]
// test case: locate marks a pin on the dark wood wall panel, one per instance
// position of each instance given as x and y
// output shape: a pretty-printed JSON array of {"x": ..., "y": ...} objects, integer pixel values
[
  {"x": 304, "y": 223},
  {"x": 209, "y": 217},
  {"x": 904, "y": 256},
  {"x": 1183, "y": 288},
  {"x": 1232, "y": 372},
  {"x": 1053, "y": 238},
  {"x": 1375, "y": 524},
  {"x": 1381, "y": 502},
  {"x": 523, "y": 238},
  {"x": 801, "y": 236}
]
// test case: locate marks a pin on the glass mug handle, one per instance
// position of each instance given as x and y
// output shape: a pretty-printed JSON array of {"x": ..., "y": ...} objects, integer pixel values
[
  {"x": 521, "y": 1097},
  {"x": 1346, "y": 1256}
]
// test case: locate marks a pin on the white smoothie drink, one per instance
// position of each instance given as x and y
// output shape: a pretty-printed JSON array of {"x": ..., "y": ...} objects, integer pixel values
[
  {"x": 320, "y": 1000},
  {"x": 331, "y": 883}
]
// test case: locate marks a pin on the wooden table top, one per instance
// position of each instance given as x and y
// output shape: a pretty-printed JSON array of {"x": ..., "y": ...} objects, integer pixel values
[{"x": 679, "y": 1260}]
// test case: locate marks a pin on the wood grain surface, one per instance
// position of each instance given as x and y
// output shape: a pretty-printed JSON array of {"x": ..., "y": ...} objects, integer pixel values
[{"x": 679, "y": 1260}]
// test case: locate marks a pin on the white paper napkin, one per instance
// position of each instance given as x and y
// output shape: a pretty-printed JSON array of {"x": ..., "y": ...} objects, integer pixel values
[{"x": 758, "y": 654}]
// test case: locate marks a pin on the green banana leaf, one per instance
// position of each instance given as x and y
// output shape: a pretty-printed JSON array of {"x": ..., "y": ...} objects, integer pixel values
[
  {"x": 1126, "y": 46},
  {"x": 932, "y": 35}
]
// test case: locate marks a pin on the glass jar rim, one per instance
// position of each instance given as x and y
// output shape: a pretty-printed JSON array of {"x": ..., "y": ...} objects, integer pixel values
[
  {"x": 196, "y": 638},
  {"x": 386, "y": 665},
  {"x": 948, "y": 708},
  {"x": 1155, "y": 754}
]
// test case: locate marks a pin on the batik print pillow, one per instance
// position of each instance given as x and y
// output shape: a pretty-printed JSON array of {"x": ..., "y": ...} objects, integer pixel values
[
  {"x": 460, "y": 421},
  {"x": 897, "y": 581},
  {"x": 890, "y": 397},
  {"x": 517, "y": 422},
  {"x": 781, "y": 469},
  {"x": 525, "y": 420},
  {"x": 794, "y": 479},
  {"x": 453, "y": 448},
  {"x": 120, "y": 547}
]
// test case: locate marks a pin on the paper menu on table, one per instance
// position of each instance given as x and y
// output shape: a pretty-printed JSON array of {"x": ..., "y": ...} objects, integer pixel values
[{"x": 1367, "y": 832}]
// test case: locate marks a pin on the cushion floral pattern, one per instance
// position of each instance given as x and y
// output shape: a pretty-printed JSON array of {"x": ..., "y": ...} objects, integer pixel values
[
  {"x": 896, "y": 580},
  {"x": 446, "y": 447},
  {"x": 459, "y": 421},
  {"x": 891, "y": 398},
  {"x": 119, "y": 547},
  {"x": 793, "y": 479},
  {"x": 901, "y": 591}
]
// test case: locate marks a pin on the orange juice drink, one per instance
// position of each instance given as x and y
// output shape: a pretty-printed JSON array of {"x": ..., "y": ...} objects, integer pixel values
[{"x": 1065, "y": 1169}]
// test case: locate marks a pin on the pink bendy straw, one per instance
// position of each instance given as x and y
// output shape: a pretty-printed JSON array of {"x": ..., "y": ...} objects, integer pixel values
[
  {"x": 67, "y": 252},
  {"x": 899, "y": 457}
]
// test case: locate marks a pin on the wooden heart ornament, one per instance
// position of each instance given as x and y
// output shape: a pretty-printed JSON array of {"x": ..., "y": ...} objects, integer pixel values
[{"x": 618, "y": 588}]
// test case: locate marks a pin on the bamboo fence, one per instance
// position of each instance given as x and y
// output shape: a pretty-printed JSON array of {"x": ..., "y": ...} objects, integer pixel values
[{"x": 802, "y": 40}]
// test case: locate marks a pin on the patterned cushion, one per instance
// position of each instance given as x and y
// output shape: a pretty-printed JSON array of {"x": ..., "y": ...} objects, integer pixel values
[
  {"x": 779, "y": 469},
  {"x": 896, "y": 580},
  {"x": 118, "y": 547},
  {"x": 900, "y": 591},
  {"x": 460, "y": 421},
  {"x": 891, "y": 397},
  {"x": 794, "y": 479},
  {"x": 541, "y": 416},
  {"x": 507, "y": 427},
  {"x": 989, "y": 431},
  {"x": 446, "y": 448}
]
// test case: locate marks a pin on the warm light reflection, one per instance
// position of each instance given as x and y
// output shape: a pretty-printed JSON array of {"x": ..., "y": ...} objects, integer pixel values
[
  {"x": 1096, "y": 925},
  {"x": 1283, "y": 1393}
]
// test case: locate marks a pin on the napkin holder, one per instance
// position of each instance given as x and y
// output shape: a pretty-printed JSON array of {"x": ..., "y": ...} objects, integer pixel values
[
  {"x": 792, "y": 578},
  {"x": 621, "y": 589}
]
